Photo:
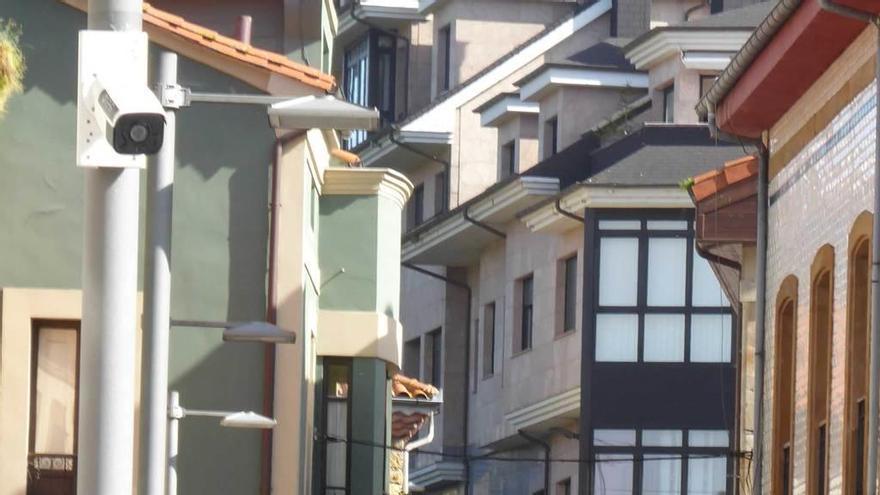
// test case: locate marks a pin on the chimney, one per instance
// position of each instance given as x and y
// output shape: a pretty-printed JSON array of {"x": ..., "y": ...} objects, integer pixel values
[{"x": 243, "y": 29}]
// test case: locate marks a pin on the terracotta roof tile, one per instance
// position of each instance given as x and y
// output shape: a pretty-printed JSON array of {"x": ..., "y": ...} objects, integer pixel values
[
  {"x": 231, "y": 47},
  {"x": 404, "y": 386},
  {"x": 733, "y": 172},
  {"x": 406, "y": 426}
]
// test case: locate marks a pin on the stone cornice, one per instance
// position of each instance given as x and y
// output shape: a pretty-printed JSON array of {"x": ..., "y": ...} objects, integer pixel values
[{"x": 367, "y": 182}]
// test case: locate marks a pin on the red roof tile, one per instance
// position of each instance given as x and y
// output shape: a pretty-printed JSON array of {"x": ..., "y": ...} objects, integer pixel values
[
  {"x": 404, "y": 386},
  {"x": 733, "y": 172},
  {"x": 231, "y": 47},
  {"x": 405, "y": 426}
]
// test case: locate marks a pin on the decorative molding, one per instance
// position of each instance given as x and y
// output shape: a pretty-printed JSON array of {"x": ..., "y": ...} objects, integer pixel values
[
  {"x": 670, "y": 42},
  {"x": 383, "y": 182},
  {"x": 550, "y": 408},
  {"x": 551, "y": 77},
  {"x": 382, "y": 10},
  {"x": 703, "y": 60},
  {"x": 548, "y": 219}
]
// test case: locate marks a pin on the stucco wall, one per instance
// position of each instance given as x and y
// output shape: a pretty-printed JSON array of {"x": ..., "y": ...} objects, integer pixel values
[{"x": 219, "y": 226}]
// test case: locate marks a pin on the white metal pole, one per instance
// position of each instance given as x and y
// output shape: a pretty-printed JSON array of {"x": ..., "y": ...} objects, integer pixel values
[
  {"x": 157, "y": 297},
  {"x": 173, "y": 414},
  {"x": 109, "y": 281}
]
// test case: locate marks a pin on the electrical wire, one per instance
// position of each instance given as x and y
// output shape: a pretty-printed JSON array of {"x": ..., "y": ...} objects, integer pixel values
[{"x": 494, "y": 457}]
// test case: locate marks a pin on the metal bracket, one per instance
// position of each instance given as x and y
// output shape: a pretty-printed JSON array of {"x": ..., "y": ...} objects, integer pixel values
[{"x": 173, "y": 95}]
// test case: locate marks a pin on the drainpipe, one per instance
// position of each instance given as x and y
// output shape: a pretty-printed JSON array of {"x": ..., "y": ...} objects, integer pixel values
[
  {"x": 272, "y": 309},
  {"x": 546, "y": 446},
  {"x": 467, "y": 367},
  {"x": 565, "y": 212},
  {"x": 760, "y": 292},
  {"x": 413, "y": 446},
  {"x": 488, "y": 228},
  {"x": 447, "y": 167},
  {"x": 874, "y": 378}
]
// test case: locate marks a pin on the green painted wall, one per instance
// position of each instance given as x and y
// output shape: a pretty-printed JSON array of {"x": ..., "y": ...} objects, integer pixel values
[
  {"x": 370, "y": 403},
  {"x": 347, "y": 239},
  {"x": 220, "y": 230}
]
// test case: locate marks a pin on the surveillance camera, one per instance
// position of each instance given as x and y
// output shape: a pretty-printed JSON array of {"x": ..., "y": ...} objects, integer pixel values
[{"x": 129, "y": 115}]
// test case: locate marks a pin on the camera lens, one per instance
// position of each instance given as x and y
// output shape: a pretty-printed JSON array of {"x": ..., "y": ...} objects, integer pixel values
[{"x": 138, "y": 133}]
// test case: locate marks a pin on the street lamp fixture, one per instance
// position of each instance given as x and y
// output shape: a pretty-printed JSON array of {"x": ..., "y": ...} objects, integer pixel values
[
  {"x": 324, "y": 112},
  {"x": 250, "y": 331}
]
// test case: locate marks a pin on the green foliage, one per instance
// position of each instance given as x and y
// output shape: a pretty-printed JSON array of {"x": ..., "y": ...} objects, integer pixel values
[
  {"x": 12, "y": 64},
  {"x": 686, "y": 184}
]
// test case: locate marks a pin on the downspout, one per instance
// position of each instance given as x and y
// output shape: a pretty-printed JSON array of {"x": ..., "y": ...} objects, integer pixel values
[
  {"x": 406, "y": 55},
  {"x": 488, "y": 228},
  {"x": 760, "y": 293},
  {"x": 566, "y": 213},
  {"x": 413, "y": 446},
  {"x": 467, "y": 367},
  {"x": 272, "y": 310},
  {"x": 546, "y": 446},
  {"x": 447, "y": 167},
  {"x": 874, "y": 377}
]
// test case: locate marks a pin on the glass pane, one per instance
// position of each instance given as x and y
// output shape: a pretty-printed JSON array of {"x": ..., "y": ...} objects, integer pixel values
[
  {"x": 337, "y": 428},
  {"x": 617, "y": 337},
  {"x": 620, "y": 224},
  {"x": 708, "y": 438},
  {"x": 706, "y": 290},
  {"x": 667, "y": 225},
  {"x": 618, "y": 271},
  {"x": 56, "y": 391},
  {"x": 664, "y": 338},
  {"x": 710, "y": 338},
  {"x": 661, "y": 475},
  {"x": 614, "y": 474},
  {"x": 707, "y": 476},
  {"x": 661, "y": 438},
  {"x": 337, "y": 380},
  {"x": 667, "y": 265},
  {"x": 617, "y": 438}
]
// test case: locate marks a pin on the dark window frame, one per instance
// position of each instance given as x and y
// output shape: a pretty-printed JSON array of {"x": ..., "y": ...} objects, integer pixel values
[
  {"x": 551, "y": 126},
  {"x": 324, "y": 420},
  {"x": 508, "y": 159},
  {"x": 435, "y": 339},
  {"x": 668, "y": 115},
  {"x": 444, "y": 67},
  {"x": 441, "y": 193},
  {"x": 375, "y": 88},
  {"x": 526, "y": 306},
  {"x": 570, "y": 279},
  {"x": 641, "y": 309},
  {"x": 489, "y": 326}
]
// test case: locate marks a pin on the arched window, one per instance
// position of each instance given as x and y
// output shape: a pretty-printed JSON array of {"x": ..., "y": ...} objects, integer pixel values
[
  {"x": 857, "y": 348},
  {"x": 821, "y": 330},
  {"x": 783, "y": 385}
]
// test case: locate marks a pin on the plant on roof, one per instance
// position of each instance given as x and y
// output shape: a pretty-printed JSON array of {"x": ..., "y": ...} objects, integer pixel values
[{"x": 11, "y": 61}]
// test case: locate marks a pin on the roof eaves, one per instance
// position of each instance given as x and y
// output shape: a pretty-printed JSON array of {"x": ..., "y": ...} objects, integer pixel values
[{"x": 740, "y": 62}]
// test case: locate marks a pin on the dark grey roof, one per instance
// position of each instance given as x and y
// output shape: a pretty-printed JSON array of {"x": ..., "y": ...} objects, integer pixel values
[
  {"x": 744, "y": 17},
  {"x": 654, "y": 155},
  {"x": 660, "y": 155},
  {"x": 605, "y": 55}
]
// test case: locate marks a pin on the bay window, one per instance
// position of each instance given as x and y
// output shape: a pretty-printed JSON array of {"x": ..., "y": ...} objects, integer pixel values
[{"x": 369, "y": 78}]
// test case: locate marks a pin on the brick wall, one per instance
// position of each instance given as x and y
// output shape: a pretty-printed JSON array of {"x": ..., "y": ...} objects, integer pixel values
[{"x": 814, "y": 201}]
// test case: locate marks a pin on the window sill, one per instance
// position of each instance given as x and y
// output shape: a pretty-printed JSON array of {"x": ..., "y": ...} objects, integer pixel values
[
  {"x": 562, "y": 335},
  {"x": 520, "y": 353}
]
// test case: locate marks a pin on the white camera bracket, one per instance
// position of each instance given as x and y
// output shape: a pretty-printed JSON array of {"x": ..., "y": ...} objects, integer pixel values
[{"x": 111, "y": 56}]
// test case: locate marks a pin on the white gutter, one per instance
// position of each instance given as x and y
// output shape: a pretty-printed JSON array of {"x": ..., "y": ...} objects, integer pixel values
[{"x": 412, "y": 446}]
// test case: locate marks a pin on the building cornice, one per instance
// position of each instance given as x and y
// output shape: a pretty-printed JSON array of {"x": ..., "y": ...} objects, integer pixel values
[
  {"x": 438, "y": 472},
  {"x": 550, "y": 77},
  {"x": 383, "y": 182},
  {"x": 671, "y": 42},
  {"x": 548, "y": 217},
  {"x": 548, "y": 409},
  {"x": 505, "y": 108}
]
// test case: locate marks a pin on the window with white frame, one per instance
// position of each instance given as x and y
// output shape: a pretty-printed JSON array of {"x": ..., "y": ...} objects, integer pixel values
[
  {"x": 664, "y": 462},
  {"x": 658, "y": 300}
]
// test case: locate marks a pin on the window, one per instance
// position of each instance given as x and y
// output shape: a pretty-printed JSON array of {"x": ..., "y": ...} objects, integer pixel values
[
  {"x": 663, "y": 459},
  {"x": 508, "y": 159},
  {"x": 658, "y": 301},
  {"x": 564, "y": 487},
  {"x": 337, "y": 426},
  {"x": 569, "y": 294},
  {"x": 526, "y": 313},
  {"x": 857, "y": 345},
  {"x": 821, "y": 314},
  {"x": 783, "y": 386},
  {"x": 441, "y": 194},
  {"x": 314, "y": 206},
  {"x": 54, "y": 402},
  {"x": 551, "y": 136},
  {"x": 669, "y": 104},
  {"x": 444, "y": 55},
  {"x": 412, "y": 358},
  {"x": 489, "y": 340},
  {"x": 369, "y": 78},
  {"x": 435, "y": 351},
  {"x": 415, "y": 212}
]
